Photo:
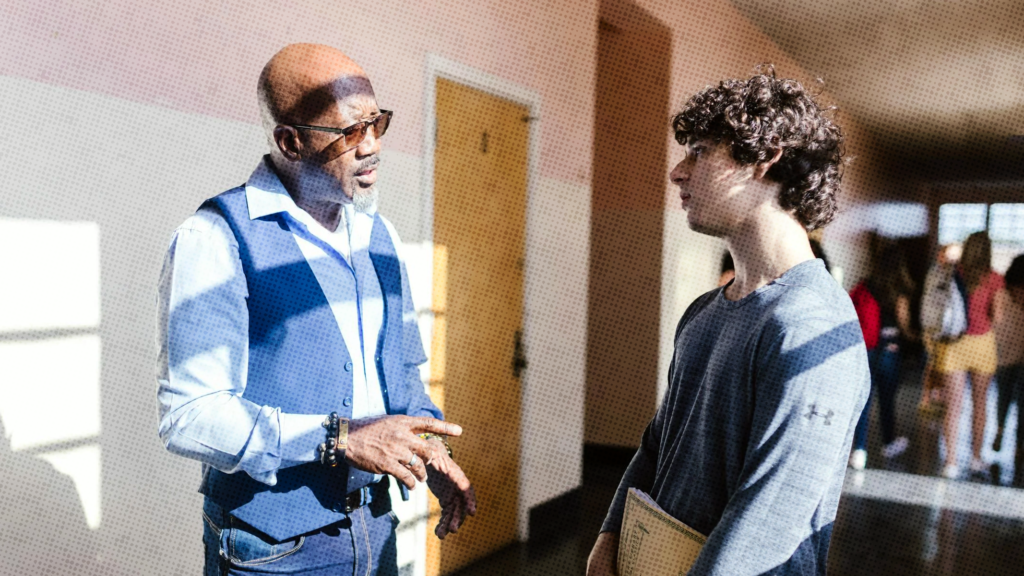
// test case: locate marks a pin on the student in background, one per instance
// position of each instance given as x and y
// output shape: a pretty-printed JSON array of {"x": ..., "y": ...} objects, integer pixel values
[
  {"x": 1010, "y": 345},
  {"x": 819, "y": 253},
  {"x": 728, "y": 270},
  {"x": 882, "y": 302},
  {"x": 932, "y": 402},
  {"x": 973, "y": 353}
]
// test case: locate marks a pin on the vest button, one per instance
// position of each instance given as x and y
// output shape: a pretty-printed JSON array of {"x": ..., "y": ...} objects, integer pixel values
[
  {"x": 348, "y": 366},
  {"x": 377, "y": 358},
  {"x": 347, "y": 402}
]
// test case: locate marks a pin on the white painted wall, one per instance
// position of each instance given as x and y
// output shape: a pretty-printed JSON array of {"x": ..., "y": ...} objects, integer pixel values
[
  {"x": 135, "y": 171},
  {"x": 555, "y": 340}
]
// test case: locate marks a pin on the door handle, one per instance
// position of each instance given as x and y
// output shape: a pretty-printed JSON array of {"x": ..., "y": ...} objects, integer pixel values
[{"x": 518, "y": 357}]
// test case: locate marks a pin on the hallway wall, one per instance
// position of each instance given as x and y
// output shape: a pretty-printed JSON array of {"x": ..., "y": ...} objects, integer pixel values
[{"x": 128, "y": 115}]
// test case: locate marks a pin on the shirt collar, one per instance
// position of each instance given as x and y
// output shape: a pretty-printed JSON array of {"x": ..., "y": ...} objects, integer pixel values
[{"x": 265, "y": 194}]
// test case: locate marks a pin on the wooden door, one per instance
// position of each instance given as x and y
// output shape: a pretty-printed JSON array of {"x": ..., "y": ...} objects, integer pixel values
[{"x": 480, "y": 175}]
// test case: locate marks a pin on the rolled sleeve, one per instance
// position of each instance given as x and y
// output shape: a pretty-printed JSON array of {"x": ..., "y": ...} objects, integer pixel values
[{"x": 203, "y": 360}]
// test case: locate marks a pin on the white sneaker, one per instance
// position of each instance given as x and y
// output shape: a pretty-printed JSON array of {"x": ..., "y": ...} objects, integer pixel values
[
  {"x": 951, "y": 471},
  {"x": 859, "y": 459},
  {"x": 980, "y": 472},
  {"x": 896, "y": 447}
]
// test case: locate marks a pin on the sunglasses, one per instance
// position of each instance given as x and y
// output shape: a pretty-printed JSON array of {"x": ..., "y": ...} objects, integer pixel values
[{"x": 351, "y": 136}]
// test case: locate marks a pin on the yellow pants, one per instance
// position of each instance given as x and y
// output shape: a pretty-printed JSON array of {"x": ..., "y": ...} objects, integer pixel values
[{"x": 971, "y": 353}]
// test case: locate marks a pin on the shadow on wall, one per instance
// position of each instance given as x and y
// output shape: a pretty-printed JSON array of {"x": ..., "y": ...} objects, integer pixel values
[{"x": 42, "y": 522}]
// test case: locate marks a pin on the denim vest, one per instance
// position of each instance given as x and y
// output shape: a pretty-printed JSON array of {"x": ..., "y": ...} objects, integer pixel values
[{"x": 298, "y": 362}]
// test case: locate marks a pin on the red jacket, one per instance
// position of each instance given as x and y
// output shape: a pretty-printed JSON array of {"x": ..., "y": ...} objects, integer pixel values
[{"x": 869, "y": 312}]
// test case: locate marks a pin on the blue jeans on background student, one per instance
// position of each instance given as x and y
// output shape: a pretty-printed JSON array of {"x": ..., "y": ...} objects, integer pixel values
[
  {"x": 1010, "y": 382},
  {"x": 885, "y": 380}
]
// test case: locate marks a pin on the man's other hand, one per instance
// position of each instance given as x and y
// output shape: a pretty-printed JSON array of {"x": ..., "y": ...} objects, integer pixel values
[
  {"x": 453, "y": 490},
  {"x": 604, "y": 556},
  {"x": 387, "y": 445}
]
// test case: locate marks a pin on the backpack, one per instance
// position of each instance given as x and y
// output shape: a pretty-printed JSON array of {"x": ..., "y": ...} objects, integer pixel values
[{"x": 944, "y": 305}]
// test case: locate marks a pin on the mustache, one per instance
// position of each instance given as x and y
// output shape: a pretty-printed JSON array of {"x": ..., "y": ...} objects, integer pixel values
[{"x": 368, "y": 164}]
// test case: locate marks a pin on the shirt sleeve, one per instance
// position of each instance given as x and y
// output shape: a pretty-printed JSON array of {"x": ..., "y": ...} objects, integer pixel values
[
  {"x": 810, "y": 387},
  {"x": 639, "y": 474},
  {"x": 203, "y": 339},
  {"x": 643, "y": 467}
]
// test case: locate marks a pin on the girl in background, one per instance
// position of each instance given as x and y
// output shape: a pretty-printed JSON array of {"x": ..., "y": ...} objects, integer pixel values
[
  {"x": 882, "y": 303},
  {"x": 974, "y": 354}
]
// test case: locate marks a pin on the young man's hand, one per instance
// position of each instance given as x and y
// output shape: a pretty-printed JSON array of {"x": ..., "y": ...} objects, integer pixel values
[
  {"x": 604, "y": 556},
  {"x": 453, "y": 490},
  {"x": 387, "y": 445}
]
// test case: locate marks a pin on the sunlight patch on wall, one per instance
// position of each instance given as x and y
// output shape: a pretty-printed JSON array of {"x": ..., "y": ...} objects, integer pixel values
[
  {"x": 50, "y": 350},
  {"x": 51, "y": 390},
  {"x": 83, "y": 466},
  {"x": 52, "y": 275}
]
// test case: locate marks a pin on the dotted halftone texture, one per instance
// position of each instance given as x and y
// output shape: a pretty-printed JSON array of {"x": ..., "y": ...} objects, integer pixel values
[{"x": 131, "y": 114}]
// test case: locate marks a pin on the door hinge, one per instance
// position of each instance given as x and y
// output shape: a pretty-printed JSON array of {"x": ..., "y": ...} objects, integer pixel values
[{"x": 518, "y": 356}]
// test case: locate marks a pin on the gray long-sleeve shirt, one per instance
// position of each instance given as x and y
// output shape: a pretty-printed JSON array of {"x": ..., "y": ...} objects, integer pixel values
[{"x": 750, "y": 443}]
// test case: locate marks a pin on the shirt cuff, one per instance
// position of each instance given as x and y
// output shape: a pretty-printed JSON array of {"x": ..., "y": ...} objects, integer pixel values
[{"x": 300, "y": 436}]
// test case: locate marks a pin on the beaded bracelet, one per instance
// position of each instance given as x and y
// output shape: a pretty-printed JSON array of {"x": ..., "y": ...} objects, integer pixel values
[
  {"x": 337, "y": 440},
  {"x": 443, "y": 439}
]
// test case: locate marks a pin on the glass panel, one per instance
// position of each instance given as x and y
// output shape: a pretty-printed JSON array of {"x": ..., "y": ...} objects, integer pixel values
[
  {"x": 1006, "y": 228},
  {"x": 1006, "y": 223},
  {"x": 958, "y": 221}
]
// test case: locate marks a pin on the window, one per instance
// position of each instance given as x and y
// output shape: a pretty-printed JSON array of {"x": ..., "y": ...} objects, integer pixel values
[
  {"x": 958, "y": 221},
  {"x": 1004, "y": 223}
]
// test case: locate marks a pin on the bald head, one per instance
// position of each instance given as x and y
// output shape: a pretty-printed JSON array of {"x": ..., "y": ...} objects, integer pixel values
[{"x": 303, "y": 83}]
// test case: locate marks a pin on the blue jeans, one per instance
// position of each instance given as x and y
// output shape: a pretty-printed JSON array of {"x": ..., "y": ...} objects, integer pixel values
[
  {"x": 1010, "y": 380},
  {"x": 885, "y": 380},
  {"x": 362, "y": 544}
]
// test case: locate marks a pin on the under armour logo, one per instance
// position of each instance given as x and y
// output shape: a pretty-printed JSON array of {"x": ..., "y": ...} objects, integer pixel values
[{"x": 813, "y": 411}]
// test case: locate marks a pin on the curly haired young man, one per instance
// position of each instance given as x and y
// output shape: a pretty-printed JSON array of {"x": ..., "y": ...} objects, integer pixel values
[{"x": 770, "y": 373}]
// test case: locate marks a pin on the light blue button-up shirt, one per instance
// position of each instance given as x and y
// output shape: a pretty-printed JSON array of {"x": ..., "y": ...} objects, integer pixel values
[{"x": 202, "y": 413}]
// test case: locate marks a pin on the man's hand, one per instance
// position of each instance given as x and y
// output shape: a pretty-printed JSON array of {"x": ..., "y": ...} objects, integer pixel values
[
  {"x": 387, "y": 444},
  {"x": 453, "y": 490},
  {"x": 604, "y": 556}
]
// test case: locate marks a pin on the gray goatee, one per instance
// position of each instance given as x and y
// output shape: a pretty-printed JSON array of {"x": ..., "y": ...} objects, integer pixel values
[{"x": 365, "y": 200}]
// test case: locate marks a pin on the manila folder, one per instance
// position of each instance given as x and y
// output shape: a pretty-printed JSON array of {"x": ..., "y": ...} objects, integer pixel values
[{"x": 652, "y": 543}]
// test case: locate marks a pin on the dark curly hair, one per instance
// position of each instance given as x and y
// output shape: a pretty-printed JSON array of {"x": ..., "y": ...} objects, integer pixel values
[
  {"x": 1015, "y": 273},
  {"x": 758, "y": 116}
]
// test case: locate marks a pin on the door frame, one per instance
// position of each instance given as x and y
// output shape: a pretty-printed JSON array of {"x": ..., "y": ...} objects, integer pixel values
[{"x": 440, "y": 67}]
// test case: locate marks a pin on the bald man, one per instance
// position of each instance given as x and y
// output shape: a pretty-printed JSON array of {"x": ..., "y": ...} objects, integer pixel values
[{"x": 289, "y": 348}]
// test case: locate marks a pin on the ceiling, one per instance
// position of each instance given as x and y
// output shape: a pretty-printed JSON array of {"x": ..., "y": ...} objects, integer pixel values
[{"x": 940, "y": 83}]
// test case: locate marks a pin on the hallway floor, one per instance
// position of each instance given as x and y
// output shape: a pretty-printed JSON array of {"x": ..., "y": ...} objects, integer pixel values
[{"x": 896, "y": 517}]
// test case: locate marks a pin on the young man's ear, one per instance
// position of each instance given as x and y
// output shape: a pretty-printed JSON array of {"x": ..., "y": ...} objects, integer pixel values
[{"x": 761, "y": 169}]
